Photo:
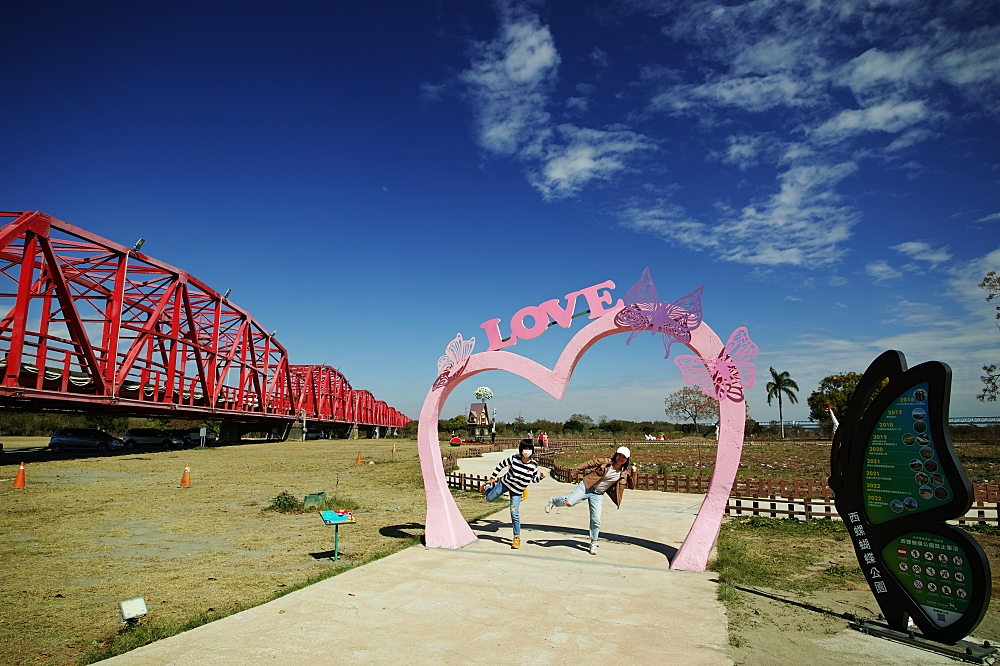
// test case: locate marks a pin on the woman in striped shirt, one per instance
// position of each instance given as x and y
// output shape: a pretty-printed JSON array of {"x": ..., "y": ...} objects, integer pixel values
[{"x": 523, "y": 470}]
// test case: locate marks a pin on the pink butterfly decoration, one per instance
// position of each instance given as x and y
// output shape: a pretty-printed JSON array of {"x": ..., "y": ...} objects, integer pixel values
[
  {"x": 724, "y": 377},
  {"x": 456, "y": 357},
  {"x": 643, "y": 310}
]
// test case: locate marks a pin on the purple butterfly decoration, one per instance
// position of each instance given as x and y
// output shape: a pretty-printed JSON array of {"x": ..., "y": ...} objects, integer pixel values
[
  {"x": 725, "y": 376},
  {"x": 643, "y": 310}
]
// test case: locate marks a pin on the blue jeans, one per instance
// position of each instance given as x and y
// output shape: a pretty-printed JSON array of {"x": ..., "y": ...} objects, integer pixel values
[
  {"x": 495, "y": 491},
  {"x": 596, "y": 501}
]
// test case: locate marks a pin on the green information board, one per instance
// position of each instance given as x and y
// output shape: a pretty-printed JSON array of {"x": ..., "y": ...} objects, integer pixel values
[
  {"x": 898, "y": 481},
  {"x": 902, "y": 469},
  {"x": 935, "y": 571}
]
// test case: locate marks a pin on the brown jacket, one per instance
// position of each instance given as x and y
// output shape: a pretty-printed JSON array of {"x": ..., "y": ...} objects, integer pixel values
[{"x": 595, "y": 470}]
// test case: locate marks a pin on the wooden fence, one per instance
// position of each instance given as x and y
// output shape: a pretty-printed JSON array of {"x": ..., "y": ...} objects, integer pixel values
[
  {"x": 799, "y": 509},
  {"x": 809, "y": 500},
  {"x": 462, "y": 481},
  {"x": 799, "y": 499}
]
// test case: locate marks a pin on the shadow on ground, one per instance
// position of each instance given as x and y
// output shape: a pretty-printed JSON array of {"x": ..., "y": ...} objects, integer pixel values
[
  {"x": 404, "y": 532},
  {"x": 487, "y": 529}
]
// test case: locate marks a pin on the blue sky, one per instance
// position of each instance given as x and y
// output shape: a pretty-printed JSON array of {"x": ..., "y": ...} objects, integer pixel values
[{"x": 371, "y": 178}]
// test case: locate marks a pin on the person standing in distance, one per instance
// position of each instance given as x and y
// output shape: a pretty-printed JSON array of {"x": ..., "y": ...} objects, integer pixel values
[{"x": 601, "y": 476}]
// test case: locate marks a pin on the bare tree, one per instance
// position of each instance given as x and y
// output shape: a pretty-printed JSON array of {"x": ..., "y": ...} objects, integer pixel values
[{"x": 690, "y": 403}]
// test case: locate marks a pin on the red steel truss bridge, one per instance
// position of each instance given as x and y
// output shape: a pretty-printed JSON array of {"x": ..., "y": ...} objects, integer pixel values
[{"x": 89, "y": 325}]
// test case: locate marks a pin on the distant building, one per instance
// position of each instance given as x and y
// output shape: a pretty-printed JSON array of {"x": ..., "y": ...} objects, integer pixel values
[{"x": 479, "y": 422}]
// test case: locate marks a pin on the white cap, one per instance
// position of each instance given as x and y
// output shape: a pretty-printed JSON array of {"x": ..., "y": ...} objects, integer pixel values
[{"x": 624, "y": 451}]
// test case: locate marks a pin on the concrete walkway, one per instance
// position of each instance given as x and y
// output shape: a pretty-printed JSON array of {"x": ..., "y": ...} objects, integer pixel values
[{"x": 550, "y": 602}]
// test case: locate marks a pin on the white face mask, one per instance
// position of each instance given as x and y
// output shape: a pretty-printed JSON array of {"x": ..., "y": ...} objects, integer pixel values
[{"x": 527, "y": 453}]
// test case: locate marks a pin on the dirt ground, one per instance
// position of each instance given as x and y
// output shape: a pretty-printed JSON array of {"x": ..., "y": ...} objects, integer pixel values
[
  {"x": 803, "y": 460},
  {"x": 88, "y": 532},
  {"x": 778, "y": 577}
]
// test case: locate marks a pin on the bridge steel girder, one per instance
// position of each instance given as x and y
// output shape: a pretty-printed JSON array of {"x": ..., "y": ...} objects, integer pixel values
[
  {"x": 91, "y": 325},
  {"x": 324, "y": 394}
]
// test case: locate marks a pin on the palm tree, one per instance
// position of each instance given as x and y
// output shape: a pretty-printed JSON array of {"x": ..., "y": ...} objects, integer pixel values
[{"x": 783, "y": 383}]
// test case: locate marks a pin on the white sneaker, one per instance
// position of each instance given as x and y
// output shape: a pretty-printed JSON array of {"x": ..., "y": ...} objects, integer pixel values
[
  {"x": 549, "y": 506},
  {"x": 593, "y": 548}
]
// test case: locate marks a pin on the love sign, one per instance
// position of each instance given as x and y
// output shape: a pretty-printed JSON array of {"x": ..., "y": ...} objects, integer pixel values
[{"x": 597, "y": 296}]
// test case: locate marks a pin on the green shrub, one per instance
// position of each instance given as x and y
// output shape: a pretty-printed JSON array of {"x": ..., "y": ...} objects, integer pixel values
[
  {"x": 982, "y": 528},
  {"x": 284, "y": 502},
  {"x": 336, "y": 502}
]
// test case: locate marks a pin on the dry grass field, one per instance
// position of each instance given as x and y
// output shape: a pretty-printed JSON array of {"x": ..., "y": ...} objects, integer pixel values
[
  {"x": 805, "y": 460},
  {"x": 88, "y": 532}
]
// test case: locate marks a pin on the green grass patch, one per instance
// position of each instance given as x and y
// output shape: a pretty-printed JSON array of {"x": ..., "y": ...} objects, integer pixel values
[
  {"x": 285, "y": 502},
  {"x": 982, "y": 528},
  {"x": 784, "y": 554}
]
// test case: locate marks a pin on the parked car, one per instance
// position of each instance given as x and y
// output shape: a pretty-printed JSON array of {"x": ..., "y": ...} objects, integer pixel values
[
  {"x": 193, "y": 436},
  {"x": 92, "y": 439},
  {"x": 182, "y": 435},
  {"x": 150, "y": 437}
]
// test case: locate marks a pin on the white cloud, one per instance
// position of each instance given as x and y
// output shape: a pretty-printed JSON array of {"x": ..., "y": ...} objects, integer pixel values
[
  {"x": 583, "y": 155},
  {"x": 760, "y": 61},
  {"x": 670, "y": 222},
  {"x": 577, "y": 104},
  {"x": 432, "y": 93},
  {"x": 993, "y": 217},
  {"x": 743, "y": 151},
  {"x": 910, "y": 138},
  {"x": 922, "y": 251},
  {"x": 510, "y": 83},
  {"x": 801, "y": 225},
  {"x": 876, "y": 71},
  {"x": 793, "y": 298},
  {"x": 600, "y": 58},
  {"x": 914, "y": 314},
  {"x": 890, "y": 116},
  {"x": 882, "y": 271},
  {"x": 794, "y": 64},
  {"x": 749, "y": 93}
]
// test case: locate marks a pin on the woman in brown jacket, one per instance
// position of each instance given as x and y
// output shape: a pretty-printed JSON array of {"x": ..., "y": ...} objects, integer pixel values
[{"x": 602, "y": 476}]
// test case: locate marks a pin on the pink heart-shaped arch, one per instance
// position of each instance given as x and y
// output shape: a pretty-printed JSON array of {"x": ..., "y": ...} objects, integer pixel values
[{"x": 445, "y": 526}]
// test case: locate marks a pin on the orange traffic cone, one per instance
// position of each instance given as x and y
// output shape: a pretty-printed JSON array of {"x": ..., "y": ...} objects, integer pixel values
[
  {"x": 186, "y": 476},
  {"x": 19, "y": 481},
  {"x": 358, "y": 462}
]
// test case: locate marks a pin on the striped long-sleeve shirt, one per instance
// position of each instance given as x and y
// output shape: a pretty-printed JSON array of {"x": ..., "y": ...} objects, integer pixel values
[{"x": 520, "y": 475}]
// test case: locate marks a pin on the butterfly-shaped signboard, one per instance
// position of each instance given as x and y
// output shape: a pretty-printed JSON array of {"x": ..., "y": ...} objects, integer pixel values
[
  {"x": 897, "y": 480},
  {"x": 643, "y": 310}
]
